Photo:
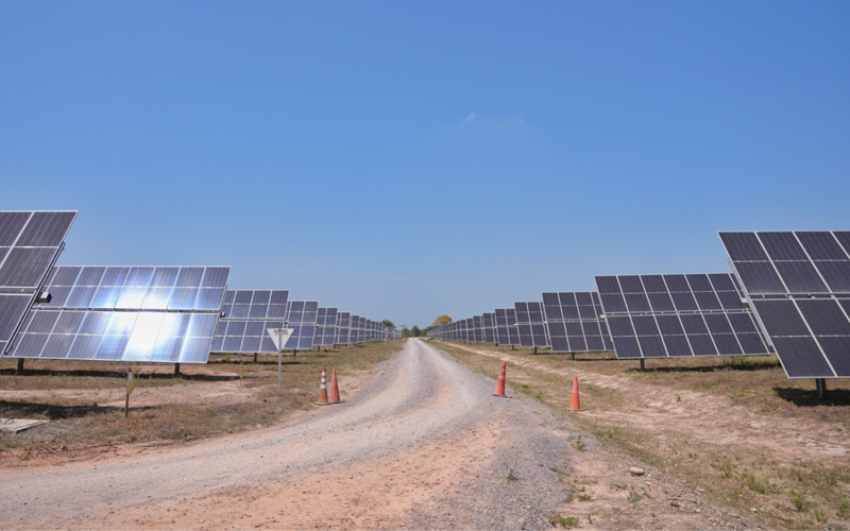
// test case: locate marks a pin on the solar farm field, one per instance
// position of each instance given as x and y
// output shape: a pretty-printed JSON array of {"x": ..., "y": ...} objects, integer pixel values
[{"x": 735, "y": 430}]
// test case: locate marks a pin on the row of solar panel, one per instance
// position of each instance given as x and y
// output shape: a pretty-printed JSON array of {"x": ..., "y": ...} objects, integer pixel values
[
  {"x": 133, "y": 313},
  {"x": 567, "y": 322},
  {"x": 789, "y": 294}
]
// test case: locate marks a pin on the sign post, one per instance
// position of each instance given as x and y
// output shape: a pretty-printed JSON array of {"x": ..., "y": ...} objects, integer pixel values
[{"x": 280, "y": 336}]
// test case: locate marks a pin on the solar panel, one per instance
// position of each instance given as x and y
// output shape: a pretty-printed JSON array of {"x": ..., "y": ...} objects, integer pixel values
[
  {"x": 656, "y": 316},
  {"x": 531, "y": 324},
  {"x": 574, "y": 321},
  {"x": 248, "y": 314},
  {"x": 489, "y": 327},
  {"x": 799, "y": 286},
  {"x": 344, "y": 319},
  {"x": 106, "y": 313},
  {"x": 30, "y": 242}
]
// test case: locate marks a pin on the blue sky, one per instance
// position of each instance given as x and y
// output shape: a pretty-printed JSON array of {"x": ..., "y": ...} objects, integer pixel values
[{"x": 402, "y": 160}]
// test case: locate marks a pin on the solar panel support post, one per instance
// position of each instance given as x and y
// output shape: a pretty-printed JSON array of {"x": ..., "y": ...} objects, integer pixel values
[
  {"x": 535, "y": 350},
  {"x": 642, "y": 364},
  {"x": 573, "y": 355},
  {"x": 20, "y": 365},
  {"x": 255, "y": 358},
  {"x": 279, "y": 371},
  {"x": 820, "y": 383},
  {"x": 176, "y": 369}
]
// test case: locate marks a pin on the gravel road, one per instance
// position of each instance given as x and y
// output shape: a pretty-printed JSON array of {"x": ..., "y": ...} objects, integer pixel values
[{"x": 424, "y": 444}]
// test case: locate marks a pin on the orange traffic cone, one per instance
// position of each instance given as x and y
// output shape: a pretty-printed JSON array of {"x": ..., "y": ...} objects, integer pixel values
[
  {"x": 500, "y": 385},
  {"x": 334, "y": 389},
  {"x": 574, "y": 401},
  {"x": 323, "y": 389}
]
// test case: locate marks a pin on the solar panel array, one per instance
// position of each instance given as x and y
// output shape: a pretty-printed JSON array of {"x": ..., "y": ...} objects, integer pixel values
[
  {"x": 119, "y": 313},
  {"x": 799, "y": 286},
  {"x": 140, "y": 313},
  {"x": 575, "y": 322},
  {"x": 652, "y": 316},
  {"x": 30, "y": 242}
]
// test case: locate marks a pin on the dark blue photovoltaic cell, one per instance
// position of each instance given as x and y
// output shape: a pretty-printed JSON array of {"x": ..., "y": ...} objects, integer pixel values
[
  {"x": 652, "y": 346},
  {"x": 782, "y": 246},
  {"x": 752, "y": 343},
  {"x": 631, "y": 284},
  {"x": 801, "y": 357},
  {"x": 684, "y": 301},
  {"x": 613, "y": 302},
  {"x": 837, "y": 350},
  {"x": 677, "y": 345},
  {"x": 760, "y": 277},
  {"x": 702, "y": 345},
  {"x": 821, "y": 246},
  {"x": 607, "y": 284},
  {"x": 781, "y": 318},
  {"x": 620, "y": 326},
  {"x": 801, "y": 277},
  {"x": 661, "y": 302},
  {"x": 626, "y": 347},
  {"x": 825, "y": 317},
  {"x": 637, "y": 302},
  {"x": 743, "y": 246},
  {"x": 654, "y": 284}
]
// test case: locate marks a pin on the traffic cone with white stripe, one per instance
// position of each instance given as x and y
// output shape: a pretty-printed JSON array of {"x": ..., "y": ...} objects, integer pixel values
[
  {"x": 500, "y": 385},
  {"x": 334, "y": 399},
  {"x": 574, "y": 401},
  {"x": 323, "y": 389}
]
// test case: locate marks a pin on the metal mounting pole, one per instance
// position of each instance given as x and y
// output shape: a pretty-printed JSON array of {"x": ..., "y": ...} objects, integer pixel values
[
  {"x": 820, "y": 383},
  {"x": 20, "y": 365},
  {"x": 642, "y": 364},
  {"x": 176, "y": 369},
  {"x": 279, "y": 372},
  {"x": 255, "y": 358}
]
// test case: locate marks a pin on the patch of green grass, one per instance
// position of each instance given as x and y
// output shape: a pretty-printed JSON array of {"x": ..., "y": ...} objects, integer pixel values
[
  {"x": 579, "y": 445},
  {"x": 843, "y": 509},
  {"x": 619, "y": 486},
  {"x": 726, "y": 466},
  {"x": 557, "y": 519},
  {"x": 798, "y": 498},
  {"x": 511, "y": 475},
  {"x": 755, "y": 484}
]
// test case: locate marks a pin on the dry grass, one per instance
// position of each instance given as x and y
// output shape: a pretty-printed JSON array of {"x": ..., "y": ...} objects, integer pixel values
[
  {"x": 789, "y": 493},
  {"x": 204, "y": 401}
]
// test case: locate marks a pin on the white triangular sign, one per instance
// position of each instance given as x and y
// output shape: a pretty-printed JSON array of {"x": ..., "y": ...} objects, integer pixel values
[{"x": 280, "y": 336}]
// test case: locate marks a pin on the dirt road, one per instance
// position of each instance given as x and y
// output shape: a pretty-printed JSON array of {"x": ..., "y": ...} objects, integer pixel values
[{"x": 424, "y": 444}]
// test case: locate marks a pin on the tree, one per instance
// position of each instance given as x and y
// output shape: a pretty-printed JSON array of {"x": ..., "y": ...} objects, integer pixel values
[
  {"x": 388, "y": 323},
  {"x": 441, "y": 320},
  {"x": 415, "y": 331}
]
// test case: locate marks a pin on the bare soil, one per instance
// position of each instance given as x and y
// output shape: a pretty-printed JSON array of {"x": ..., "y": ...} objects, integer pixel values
[
  {"x": 421, "y": 443},
  {"x": 772, "y": 462}
]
